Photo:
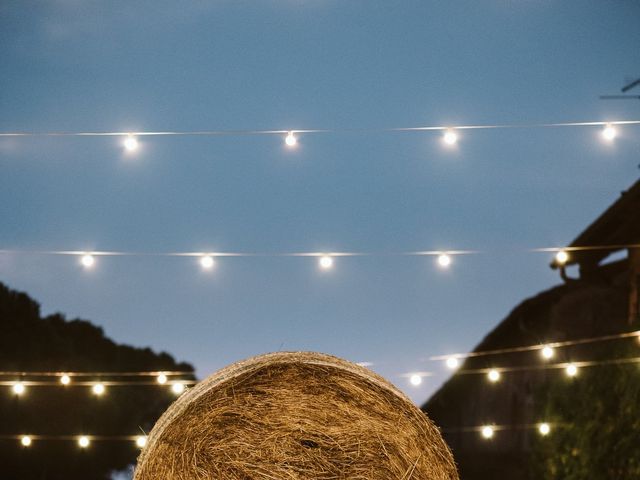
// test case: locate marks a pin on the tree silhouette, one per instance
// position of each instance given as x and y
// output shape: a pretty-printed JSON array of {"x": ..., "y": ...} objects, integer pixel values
[
  {"x": 31, "y": 343},
  {"x": 597, "y": 420}
]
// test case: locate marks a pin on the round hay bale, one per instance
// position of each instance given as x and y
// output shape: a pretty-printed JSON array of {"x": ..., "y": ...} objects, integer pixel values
[{"x": 294, "y": 416}]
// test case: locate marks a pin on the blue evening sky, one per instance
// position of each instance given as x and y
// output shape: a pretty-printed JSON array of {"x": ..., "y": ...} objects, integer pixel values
[{"x": 294, "y": 64}]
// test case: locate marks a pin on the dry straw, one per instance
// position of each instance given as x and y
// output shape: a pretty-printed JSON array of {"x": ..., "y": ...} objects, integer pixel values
[{"x": 295, "y": 416}]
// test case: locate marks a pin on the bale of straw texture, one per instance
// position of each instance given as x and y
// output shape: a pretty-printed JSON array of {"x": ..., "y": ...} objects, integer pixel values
[{"x": 294, "y": 416}]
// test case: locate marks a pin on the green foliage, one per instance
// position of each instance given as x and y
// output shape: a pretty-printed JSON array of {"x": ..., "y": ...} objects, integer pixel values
[
  {"x": 31, "y": 343},
  {"x": 598, "y": 422}
]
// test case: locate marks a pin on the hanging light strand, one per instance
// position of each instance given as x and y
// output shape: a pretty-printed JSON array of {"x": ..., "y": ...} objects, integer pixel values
[
  {"x": 99, "y": 390},
  {"x": 84, "y": 441},
  {"x": 528, "y": 348},
  {"x": 443, "y": 257},
  {"x": 280, "y": 132},
  {"x": 76, "y": 374}
]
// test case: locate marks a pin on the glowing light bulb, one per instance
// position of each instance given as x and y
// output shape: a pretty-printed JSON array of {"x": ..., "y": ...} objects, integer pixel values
[
  {"x": 177, "y": 388},
  {"x": 487, "y": 431},
  {"x": 609, "y": 132},
  {"x": 161, "y": 379},
  {"x": 141, "y": 441},
  {"x": 415, "y": 379},
  {"x": 444, "y": 260},
  {"x": 562, "y": 257},
  {"x": 493, "y": 375},
  {"x": 452, "y": 363},
  {"x": 65, "y": 379},
  {"x": 83, "y": 441},
  {"x": 98, "y": 389},
  {"x": 25, "y": 440},
  {"x": 571, "y": 370},
  {"x": 547, "y": 352},
  {"x": 87, "y": 260},
  {"x": 325, "y": 262},
  {"x": 207, "y": 262},
  {"x": 291, "y": 140},
  {"x": 18, "y": 388},
  {"x": 450, "y": 137},
  {"x": 131, "y": 143},
  {"x": 544, "y": 429}
]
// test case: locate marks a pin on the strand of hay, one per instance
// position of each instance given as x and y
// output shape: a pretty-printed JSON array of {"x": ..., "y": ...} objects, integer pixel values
[{"x": 286, "y": 416}]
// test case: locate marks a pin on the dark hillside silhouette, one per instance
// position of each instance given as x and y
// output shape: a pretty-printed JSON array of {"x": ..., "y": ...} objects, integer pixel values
[
  {"x": 599, "y": 299},
  {"x": 29, "y": 342}
]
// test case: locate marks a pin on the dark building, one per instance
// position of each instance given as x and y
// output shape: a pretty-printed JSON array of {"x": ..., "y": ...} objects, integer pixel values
[{"x": 599, "y": 299}]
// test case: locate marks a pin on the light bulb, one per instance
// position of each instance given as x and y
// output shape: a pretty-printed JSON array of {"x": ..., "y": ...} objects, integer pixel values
[
  {"x": 177, "y": 388},
  {"x": 609, "y": 132},
  {"x": 290, "y": 140},
  {"x": 452, "y": 363},
  {"x": 98, "y": 389},
  {"x": 487, "y": 431},
  {"x": 65, "y": 379},
  {"x": 444, "y": 260},
  {"x": 18, "y": 388},
  {"x": 87, "y": 260},
  {"x": 547, "y": 352},
  {"x": 562, "y": 257},
  {"x": 25, "y": 440},
  {"x": 207, "y": 262},
  {"x": 141, "y": 441},
  {"x": 161, "y": 379},
  {"x": 450, "y": 137},
  {"x": 325, "y": 262},
  {"x": 131, "y": 143},
  {"x": 493, "y": 375},
  {"x": 415, "y": 379},
  {"x": 544, "y": 429},
  {"x": 83, "y": 441},
  {"x": 571, "y": 370}
]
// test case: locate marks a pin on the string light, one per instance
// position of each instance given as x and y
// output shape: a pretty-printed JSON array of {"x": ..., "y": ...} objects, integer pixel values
[
  {"x": 325, "y": 262},
  {"x": 18, "y": 388},
  {"x": 141, "y": 441},
  {"x": 65, "y": 379},
  {"x": 91, "y": 384},
  {"x": 87, "y": 260},
  {"x": 177, "y": 388},
  {"x": 444, "y": 260},
  {"x": 281, "y": 132},
  {"x": 130, "y": 143},
  {"x": 527, "y": 348},
  {"x": 450, "y": 137},
  {"x": 609, "y": 132},
  {"x": 415, "y": 379},
  {"x": 487, "y": 431},
  {"x": 291, "y": 140},
  {"x": 562, "y": 257},
  {"x": 143, "y": 373},
  {"x": 207, "y": 262},
  {"x": 571, "y": 370},
  {"x": 98, "y": 389},
  {"x": 452, "y": 363},
  {"x": 547, "y": 352},
  {"x": 544, "y": 429}
]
